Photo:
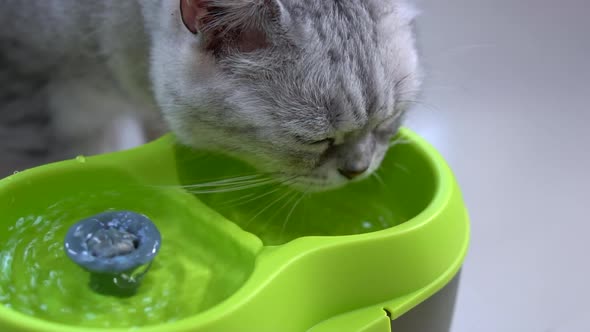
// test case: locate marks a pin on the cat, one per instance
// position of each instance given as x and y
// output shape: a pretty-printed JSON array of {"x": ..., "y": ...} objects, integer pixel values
[{"x": 302, "y": 88}]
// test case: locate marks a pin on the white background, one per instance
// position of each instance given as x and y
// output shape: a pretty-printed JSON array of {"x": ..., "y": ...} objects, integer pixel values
[{"x": 506, "y": 102}]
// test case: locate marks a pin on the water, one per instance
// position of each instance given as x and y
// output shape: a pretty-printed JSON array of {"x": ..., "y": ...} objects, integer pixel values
[
  {"x": 42, "y": 263},
  {"x": 38, "y": 279},
  {"x": 285, "y": 215}
]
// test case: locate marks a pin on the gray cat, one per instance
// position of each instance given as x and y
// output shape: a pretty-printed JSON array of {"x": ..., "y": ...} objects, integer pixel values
[{"x": 306, "y": 88}]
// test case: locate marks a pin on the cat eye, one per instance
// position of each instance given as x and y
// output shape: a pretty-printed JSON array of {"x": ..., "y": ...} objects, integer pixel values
[
  {"x": 389, "y": 124},
  {"x": 328, "y": 141},
  {"x": 386, "y": 126},
  {"x": 306, "y": 141},
  {"x": 386, "y": 129}
]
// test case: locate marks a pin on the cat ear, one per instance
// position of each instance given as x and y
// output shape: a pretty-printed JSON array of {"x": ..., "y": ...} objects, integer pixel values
[
  {"x": 230, "y": 24},
  {"x": 192, "y": 13}
]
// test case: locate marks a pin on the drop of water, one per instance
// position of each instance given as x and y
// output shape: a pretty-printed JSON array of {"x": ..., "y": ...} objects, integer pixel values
[
  {"x": 367, "y": 225},
  {"x": 81, "y": 159},
  {"x": 15, "y": 172}
]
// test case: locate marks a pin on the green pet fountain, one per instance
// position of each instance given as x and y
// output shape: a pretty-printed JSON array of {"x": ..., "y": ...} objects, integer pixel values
[{"x": 246, "y": 254}]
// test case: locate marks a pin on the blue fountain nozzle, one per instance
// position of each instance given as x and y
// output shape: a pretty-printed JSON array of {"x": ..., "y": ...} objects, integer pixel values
[{"x": 113, "y": 242}]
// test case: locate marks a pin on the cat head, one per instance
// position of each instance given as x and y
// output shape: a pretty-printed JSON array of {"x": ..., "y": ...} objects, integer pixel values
[{"x": 304, "y": 88}]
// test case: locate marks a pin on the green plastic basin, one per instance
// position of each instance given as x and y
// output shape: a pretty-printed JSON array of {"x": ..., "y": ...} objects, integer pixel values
[{"x": 262, "y": 258}]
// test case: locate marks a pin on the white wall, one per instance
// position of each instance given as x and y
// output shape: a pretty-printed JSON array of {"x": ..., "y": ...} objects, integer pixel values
[{"x": 507, "y": 103}]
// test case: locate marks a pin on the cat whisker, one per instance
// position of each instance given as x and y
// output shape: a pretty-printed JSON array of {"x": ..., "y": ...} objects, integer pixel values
[
  {"x": 268, "y": 207},
  {"x": 286, "y": 222},
  {"x": 399, "y": 83},
  {"x": 238, "y": 201},
  {"x": 419, "y": 103},
  {"x": 229, "y": 182},
  {"x": 230, "y": 189},
  {"x": 293, "y": 196},
  {"x": 399, "y": 141},
  {"x": 245, "y": 200},
  {"x": 379, "y": 180},
  {"x": 214, "y": 181},
  {"x": 403, "y": 168}
]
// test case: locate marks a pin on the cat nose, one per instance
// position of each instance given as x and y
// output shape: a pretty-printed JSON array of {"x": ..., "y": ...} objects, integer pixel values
[{"x": 352, "y": 172}]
